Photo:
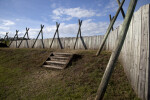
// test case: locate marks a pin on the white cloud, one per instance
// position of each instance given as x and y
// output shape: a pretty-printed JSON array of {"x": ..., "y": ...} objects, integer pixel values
[
  {"x": 67, "y": 14},
  {"x": 7, "y": 22},
  {"x": 4, "y": 28}
]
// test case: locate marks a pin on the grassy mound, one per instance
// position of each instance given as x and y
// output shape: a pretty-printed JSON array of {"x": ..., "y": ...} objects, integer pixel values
[{"x": 21, "y": 77}]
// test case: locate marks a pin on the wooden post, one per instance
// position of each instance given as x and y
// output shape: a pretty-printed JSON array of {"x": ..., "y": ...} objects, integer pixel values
[
  {"x": 6, "y": 37},
  {"x": 16, "y": 36},
  {"x": 109, "y": 29},
  {"x": 42, "y": 26},
  {"x": 79, "y": 33},
  {"x": 42, "y": 36},
  {"x": 114, "y": 56},
  {"x": 111, "y": 20},
  {"x": 27, "y": 29},
  {"x": 56, "y": 32},
  {"x": 123, "y": 14}
]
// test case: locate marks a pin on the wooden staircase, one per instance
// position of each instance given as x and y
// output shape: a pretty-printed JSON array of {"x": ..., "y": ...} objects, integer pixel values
[{"x": 58, "y": 60}]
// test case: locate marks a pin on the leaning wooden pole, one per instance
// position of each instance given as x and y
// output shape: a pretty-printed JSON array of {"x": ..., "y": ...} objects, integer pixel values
[
  {"x": 114, "y": 56},
  {"x": 109, "y": 29}
]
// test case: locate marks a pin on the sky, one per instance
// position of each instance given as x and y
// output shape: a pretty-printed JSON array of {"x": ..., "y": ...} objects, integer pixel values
[{"x": 19, "y": 14}]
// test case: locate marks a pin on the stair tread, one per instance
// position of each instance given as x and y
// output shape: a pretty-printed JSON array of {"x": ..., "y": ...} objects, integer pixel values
[
  {"x": 57, "y": 62},
  {"x": 50, "y": 66},
  {"x": 58, "y": 57},
  {"x": 58, "y": 53}
]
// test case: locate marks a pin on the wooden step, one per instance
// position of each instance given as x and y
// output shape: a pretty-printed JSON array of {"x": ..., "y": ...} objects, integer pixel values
[
  {"x": 50, "y": 66},
  {"x": 62, "y": 54},
  {"x": 58, "y": 53},
  {"x": 57, "y": 57},
  {"x": 55, "y": 62},
  {"x": 58, "y": 60},
  {"x": 61, "y": 60}
]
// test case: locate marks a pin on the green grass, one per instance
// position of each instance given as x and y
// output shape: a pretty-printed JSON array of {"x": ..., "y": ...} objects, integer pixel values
[{"x": 21, "y": 77}]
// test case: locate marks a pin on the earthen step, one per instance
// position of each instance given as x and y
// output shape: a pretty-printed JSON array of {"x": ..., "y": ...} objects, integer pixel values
[
  {"x": 55, "y": 62},
  {"x": 50, "y": 66}
]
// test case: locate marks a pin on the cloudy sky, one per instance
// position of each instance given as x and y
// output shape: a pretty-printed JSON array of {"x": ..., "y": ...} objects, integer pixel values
[{"x": 19, "y": 14}]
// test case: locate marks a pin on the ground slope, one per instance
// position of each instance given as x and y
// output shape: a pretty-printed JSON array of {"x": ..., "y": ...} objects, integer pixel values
[{"x": 21, "y": 77}]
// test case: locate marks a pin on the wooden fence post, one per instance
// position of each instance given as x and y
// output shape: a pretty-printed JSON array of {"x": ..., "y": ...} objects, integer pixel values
[
  {"x": 109, "y": 29},
  {"x": 114, "y": 56}
]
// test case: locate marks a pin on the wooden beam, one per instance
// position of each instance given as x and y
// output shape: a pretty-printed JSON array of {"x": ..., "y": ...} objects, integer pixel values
[
  {"x": 115, "y": 54},
  {"x": 27, "y": 29},
  {"x": 16, "y": 36},
  {"x": 42, "y": 26},
  {"x": 56, "y": 32},
  {"x": 111, "y": 20},
  {"x": 109, "y": 29},
  {"x": 123, "y": 14},
  {"x": 79, "y": 33}
]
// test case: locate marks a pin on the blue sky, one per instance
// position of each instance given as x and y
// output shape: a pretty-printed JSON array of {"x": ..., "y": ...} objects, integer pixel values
[{"x": 19, "y": 14}]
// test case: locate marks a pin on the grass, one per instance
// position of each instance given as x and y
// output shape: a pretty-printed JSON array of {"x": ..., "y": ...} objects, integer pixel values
[{"x": 21, "y": 77}]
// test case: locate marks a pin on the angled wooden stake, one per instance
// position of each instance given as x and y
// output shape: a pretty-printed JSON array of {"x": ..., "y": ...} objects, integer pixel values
[
  {"x": 111, "y": 20},
  {"x": 109, "y": 29},
  {"x": 79, "y": 33},
  {"x": 123, "y": 14},
  {"x": 41, "y": 32},
  {"x": 16, "y": 36},
  {"x": 115, "y": 54},
  {"x": 56, "y": 32},
  {"x": 27, "y": 29},
  {"x": 6, "y": 37}
]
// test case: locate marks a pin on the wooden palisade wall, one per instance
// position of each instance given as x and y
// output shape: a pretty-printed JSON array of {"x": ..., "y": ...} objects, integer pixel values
[{"x": 134, "y": 55}]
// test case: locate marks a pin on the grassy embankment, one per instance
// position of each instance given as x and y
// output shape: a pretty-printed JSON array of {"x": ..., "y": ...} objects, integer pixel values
[{"x": 21, "y": 77}]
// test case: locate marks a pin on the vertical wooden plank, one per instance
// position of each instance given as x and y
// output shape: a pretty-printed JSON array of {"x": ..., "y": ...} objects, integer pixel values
[{"x": 144, "y": 52}]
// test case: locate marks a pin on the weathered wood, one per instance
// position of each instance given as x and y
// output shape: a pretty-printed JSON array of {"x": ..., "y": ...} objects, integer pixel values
[
  {"x": 27, "y": 29},
  {"x": 109, "y": 29},
  {"x": 111, "y": 20},
  {"x": 114, "y": 56},
  {"x": 79, "y": 35},
  {"x": 16, "y": 36},
  {"x": 57, "y": 32},
  {"x": 122, "y": 12},
  {"x": 6, "y": 37},
  {"x": 41, "y": 32}
]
